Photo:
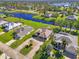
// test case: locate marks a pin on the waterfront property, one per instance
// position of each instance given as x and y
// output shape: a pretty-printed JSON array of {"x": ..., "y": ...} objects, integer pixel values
[
  {"x": 61, "y": 4},
  {"x": 10, "y": 25},
  {"x": 2, "y": 21},
  {"x": 43, "y": 34},
  {"x": 20, "y": 33}
]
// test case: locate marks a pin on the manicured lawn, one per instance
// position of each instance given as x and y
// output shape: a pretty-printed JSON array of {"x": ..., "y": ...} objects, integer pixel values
[
  {"x": 27, "y": 22},
  {"x": 18, "y": 42},
  {"x": 35, "y": 25},
  {"x": 25, "y": 50},
  {"x": 6, "y": 37},
  {"x": 43, "y": 18}
]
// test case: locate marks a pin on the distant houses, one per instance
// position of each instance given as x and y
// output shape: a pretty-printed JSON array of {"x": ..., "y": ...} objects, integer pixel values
[
  {"x": 72, "y": 17},
  {"x": 48, "y": 15},
  {"x": 43, "y": 34},
  {"x": 20, "y": 33},
  {"x": 10, "y": 25},
  {"x": 2, "y": 8},
  {"x": 2, "y": 21},
  {"x": 64, "y": 12},
  {"x": 60, "y": 4}
]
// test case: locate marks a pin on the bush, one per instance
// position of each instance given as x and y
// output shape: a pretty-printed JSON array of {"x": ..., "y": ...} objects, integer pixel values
[
  {"x": 67, "y": 31},
  {"x": 56, "y": 30},
  {"x": 74, "y": 33}
]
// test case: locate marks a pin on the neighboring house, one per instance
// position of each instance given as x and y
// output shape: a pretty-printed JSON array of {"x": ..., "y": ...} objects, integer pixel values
[
  {"x": 2, "y": 8},
  {"x": 61, "y": 4},
  {"x": 71, "y": 47},
  {"x": 43, "y": 34},
  {"x": 77, "y": 7},
  {"x": 2, "y": 21},
  {"x": 10, "y": 25},
  {"x": 20, "y": 33},
  {"x": 72, "y": 17},
  {"x": 64, "y": 12},
  {"x": 48, "y": 15}
]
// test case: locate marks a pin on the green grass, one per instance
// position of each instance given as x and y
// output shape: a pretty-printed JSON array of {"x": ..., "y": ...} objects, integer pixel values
[
  {"x": 25, "y": 50},
  {"x": 78, "y": 40},
  {"x": 44, "y": 18},
  {"x": 35, "y": 25},
  {"x": 18, "y": 42},
  {"x": 40, "y": 52},
  {"x": 1, "y": 52},
  {"x": 27, "y": 22},
  {"x": 6, "y": 37},
  {"x": 2, "y": 15}
]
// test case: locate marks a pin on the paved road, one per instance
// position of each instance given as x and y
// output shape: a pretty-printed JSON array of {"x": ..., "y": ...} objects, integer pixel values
[
  {"x": 10, "y": 52},
  {"x": 3, "y": 56}
]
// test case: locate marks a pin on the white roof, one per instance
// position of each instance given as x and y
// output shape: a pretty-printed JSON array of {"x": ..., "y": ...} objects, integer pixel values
[{"x": 12, "y": 25}]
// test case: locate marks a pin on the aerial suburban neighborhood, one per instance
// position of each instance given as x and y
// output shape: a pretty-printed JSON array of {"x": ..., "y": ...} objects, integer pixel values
[{"x": 39, "y": 29}]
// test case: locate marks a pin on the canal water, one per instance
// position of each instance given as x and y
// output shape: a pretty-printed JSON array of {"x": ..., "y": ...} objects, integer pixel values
[{"x": 30, "y": 17}]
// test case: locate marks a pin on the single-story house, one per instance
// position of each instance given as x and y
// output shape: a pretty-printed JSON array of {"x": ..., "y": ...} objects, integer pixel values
[
  {"x": 20, "y": 33},
  {"x": 48, "y": 15},
  {"x": 71, "y": 47},
  {"x": 2, "y": 21},
  {"x": 43, "y": 34},
  {"x": 60, "y": 4},
  {"x": 10, "y": 25},
  {"x": 2, "y": 8},
  {"x": 64, "y": 12},
  {"x": 72, "y": 17}
]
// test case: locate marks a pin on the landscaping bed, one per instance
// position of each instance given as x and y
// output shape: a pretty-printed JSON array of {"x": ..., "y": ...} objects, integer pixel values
[{"x": 26, "y": 50}]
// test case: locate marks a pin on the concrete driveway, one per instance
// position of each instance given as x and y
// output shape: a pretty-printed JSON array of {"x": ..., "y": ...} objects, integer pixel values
[
  {"x": 10, "y": 52},
  {"x": 34, "y": 49}
]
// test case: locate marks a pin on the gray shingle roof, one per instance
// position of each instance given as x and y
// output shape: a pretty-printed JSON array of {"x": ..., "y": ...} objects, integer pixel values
[{"x": 24, "y": 30}]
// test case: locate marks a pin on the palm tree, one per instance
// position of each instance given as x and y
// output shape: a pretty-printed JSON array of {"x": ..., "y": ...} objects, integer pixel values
[
  {"x": 64, "y": 43},
  {"x": 60, "y": 23},
  {"x": 76, "y": 25}
]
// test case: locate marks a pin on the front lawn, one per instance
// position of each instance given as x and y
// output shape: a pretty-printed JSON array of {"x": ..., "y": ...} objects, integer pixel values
[
  {"x": 25, "y": 50},
  {"x": 6, "y": 37},
  {"x": 18, "y": 42}
]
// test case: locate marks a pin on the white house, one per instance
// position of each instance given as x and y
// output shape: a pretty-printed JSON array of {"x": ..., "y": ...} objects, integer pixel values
[
  {"x": 2, "y": 21},
  {"x": 10, "y": 25}
]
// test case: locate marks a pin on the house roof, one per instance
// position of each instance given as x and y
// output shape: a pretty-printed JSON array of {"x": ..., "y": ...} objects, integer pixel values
[
  {"x": 11, "y": 25},
  {"x": 71, "y": 49},
  {"x": 44, "y": 32},
  {"x": 72, "y": 17},
  {"x": 2, "y": 22},
  {"x": 24, "y": 30}
]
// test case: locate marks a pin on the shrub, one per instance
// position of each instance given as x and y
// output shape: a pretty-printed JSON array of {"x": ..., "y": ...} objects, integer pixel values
[
  {"x": 56, "y": 30},
  {"x": 74, "y": 33}
]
